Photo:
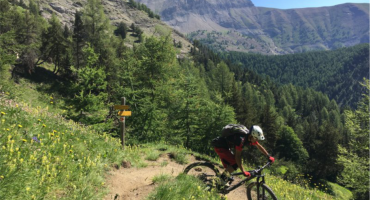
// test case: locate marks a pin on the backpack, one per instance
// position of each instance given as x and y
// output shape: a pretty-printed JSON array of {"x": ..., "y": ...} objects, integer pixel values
[{"x": 233, "y": 129}]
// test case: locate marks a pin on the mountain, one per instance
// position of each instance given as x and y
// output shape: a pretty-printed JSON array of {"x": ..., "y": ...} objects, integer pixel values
[{"x": 240, "y": 26}]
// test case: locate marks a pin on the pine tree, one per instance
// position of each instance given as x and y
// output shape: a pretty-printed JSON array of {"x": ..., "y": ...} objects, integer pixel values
[
  {"x": 221, "y": 80},
  {"x": 89, "y": 89},
  {"x": 8, "y": 43},
  {"x": 290, "y": 147},
  {"x": 54, "y": 44},
  {"x": 78, "y": 39},
  {"x": 133, "y": 28},
  {"x": 28, "y": 29},
  {"x": 121, "y": 30},
  {"x": 66, "y": 32},
  {"x": 34, "y": 8},
  {"x": 322, "y": 163},
  {"x": 96, "y": 25},
  {"x": 269, "y": 125}
]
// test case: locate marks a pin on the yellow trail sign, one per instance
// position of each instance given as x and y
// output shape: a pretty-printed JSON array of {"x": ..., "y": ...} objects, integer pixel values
[
  {"x": 121, "y": 107},
  {"x": 124, "y": 113}
]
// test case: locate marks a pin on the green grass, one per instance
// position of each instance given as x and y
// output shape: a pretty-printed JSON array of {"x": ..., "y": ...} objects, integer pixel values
[
  {"x": 289, "y": 191},
  {"x": 162, "y": 30},
  {"x": 183, "y": 187},
  {"x": 161, "y": 178},
  {"x": 44, "y": 156},
  {"x": 164, "y": 163},
  {"x": 340, "y": 192},
  {"x": 180, "y": 157},
  {"x": 152, "y": 155}
]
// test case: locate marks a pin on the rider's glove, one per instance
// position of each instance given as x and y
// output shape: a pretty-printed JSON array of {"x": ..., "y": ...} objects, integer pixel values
[
  {"x": 271, "y": 159},
  {"x": 247, "y": 174}
]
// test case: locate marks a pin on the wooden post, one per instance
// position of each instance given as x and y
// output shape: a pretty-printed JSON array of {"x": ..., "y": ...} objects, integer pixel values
[{"x": 122, "y": 125}]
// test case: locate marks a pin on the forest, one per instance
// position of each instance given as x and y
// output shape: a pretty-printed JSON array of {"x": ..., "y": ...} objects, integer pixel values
[
  {"x": 335, "y": 73},
  {"x": 187, "y": 101}
]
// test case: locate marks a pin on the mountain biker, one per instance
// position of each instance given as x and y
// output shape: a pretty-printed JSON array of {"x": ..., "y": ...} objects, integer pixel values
[{"x": 245, "y": 137}]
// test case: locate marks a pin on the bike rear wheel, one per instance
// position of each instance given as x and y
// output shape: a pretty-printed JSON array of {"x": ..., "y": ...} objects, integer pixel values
[
  {"x": 204, "y": 171},
  {"x": 261, "y": 193}
]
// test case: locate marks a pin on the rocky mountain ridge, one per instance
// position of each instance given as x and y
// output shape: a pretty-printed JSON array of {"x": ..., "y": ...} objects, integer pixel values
[
  {"x": 265, "y": 30},
  {"x": 117, "y": 11}
]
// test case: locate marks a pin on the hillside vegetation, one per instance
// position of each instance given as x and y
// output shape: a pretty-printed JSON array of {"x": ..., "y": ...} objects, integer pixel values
[{"x": 84, "y": 71}]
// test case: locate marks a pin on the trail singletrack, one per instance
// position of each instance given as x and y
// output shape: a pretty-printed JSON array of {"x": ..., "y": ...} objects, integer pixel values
[{"x": 136, "y": 183}]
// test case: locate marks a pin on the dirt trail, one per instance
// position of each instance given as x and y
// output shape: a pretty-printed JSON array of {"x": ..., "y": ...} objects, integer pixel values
[{"x": 136, "y": 184}]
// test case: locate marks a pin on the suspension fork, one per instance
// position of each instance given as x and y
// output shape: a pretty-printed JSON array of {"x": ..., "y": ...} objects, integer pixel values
[{"x": 258, "y": 187}]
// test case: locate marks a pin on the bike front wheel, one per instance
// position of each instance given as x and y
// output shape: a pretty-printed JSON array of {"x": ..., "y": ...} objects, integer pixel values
[
  {"x": 263, "y": 192},
  {"x": 204, "y": 171}
]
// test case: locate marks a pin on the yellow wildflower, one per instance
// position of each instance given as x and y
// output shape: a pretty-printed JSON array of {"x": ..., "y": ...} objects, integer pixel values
[
  {"x": 24, "y": 140},
  {"x": 20, "y": 126},
  {"x": 3, "y": 113}
]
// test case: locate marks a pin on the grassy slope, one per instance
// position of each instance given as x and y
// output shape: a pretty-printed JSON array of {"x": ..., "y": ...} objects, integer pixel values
[{"x": 44, "y": 156}]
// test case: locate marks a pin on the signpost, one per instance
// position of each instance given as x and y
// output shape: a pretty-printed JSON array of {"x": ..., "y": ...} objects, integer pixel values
[
  {"x": 122, "y": 113},
  {"x": 121, "y": 107}
]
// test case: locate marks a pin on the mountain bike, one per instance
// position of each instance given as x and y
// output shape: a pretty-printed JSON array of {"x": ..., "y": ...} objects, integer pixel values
[{"x": 209, "y": 174}]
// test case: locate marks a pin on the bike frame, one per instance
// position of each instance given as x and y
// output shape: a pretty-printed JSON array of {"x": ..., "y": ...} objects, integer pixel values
[{"x": 254, "y": 174}]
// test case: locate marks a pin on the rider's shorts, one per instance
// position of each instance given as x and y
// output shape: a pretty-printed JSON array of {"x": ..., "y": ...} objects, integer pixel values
[{"x": 226, "y": 157}]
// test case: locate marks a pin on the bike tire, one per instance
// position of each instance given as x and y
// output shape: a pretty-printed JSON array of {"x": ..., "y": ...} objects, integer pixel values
[
  {"x": 204, "y": 171},
  {"x": 252, "y": 192}
]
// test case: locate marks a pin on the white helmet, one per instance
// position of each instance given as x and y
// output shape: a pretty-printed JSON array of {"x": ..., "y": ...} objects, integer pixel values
[{"x": 257, "y": 132}]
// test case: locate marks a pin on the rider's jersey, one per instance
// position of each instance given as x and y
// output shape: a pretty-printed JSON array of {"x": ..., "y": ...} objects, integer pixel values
[{"x": 237, "y": 141}]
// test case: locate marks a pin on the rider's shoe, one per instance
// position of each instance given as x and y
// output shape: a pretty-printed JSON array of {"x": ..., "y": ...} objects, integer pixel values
[{"x": 225, "y": 180}]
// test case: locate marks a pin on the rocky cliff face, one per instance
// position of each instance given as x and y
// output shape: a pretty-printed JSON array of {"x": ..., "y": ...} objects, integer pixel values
[
  {"x": 192, "y": 15},
  {"x": 331, "y": 27},
  {"x": 270, "y": 31},
  {"x": 117, "y": 11}
]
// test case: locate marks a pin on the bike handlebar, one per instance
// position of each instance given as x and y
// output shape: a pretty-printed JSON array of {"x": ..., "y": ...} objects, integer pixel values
[{"x": 255, "y": 171}]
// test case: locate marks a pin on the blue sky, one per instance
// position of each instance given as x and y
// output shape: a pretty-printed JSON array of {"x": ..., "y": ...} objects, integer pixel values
[{"x": 286, "y": 4}]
